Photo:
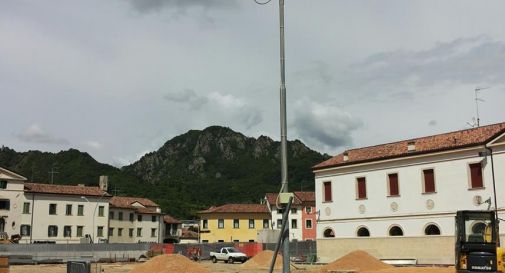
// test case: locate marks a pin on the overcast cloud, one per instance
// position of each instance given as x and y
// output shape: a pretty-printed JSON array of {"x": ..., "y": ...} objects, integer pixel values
[{"x": 118, "y": 78}]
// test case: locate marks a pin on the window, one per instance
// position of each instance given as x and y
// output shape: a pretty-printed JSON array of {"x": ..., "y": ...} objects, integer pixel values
[
  {"x": 99, "y": 231},
  {"x": 308, "y": 223},
  {"x": 130, "y": 232},
  {"x": 67, "y": 231},
  {"x": 120, "y": 215},
  {"x": 80, "y": 210},
  {"x": 68, "y": 209},
  {"x": 132, "y": 217},
  {"x": 363, "y": 232},
  {"x": 476, "y": 176},
  {"x": 251, "y": 241},
  {"x": 52, "y": 231},
  {"x": 279, "y": 223},
  {"x": 205, "y": 241},
  {"x": 154, "y": 218},
  {"x": 220, "y": 241},
  {"x": 220, "y": 223},
  {"x": 327, "y": 192},
  {"x": 251, "y": 223},
  {"x": 111, "y": 215},
  {"x": 79, "y": 231},
  {"x": 280, "y": 211},
  {"x": 432, "y": 229},
  {"x": 139, "y": 218},
  {"x": 26, "y": 208},
  {"x": 5, "y": 204},
  {"x": 111, "y": 231},
  {"x": 3, "y": 184},
  {"x": 205, "y": 224},
  {"x": 120, "y": 232},
  {"x": 236, "y": 223},
  {"x": 266, "y": 223},
  {"x": 153, "y": 232},
  {"x": 395, "y": 231},
  {"x": 26, "y": 230},
  {"x": 294, "y": 211},
  {"x": 429, "y": 181},
  {"x": 236, "y": 241},
  {"x": 52, "y": 209},
  {"x": 139, "y": 232},
  {"x": 101, "y": 210},
  {"x": 361, "y": 188},
  {"x": 308, "y": 209},
  {"x": 294, "y": 224},
  {"x": 393, "y": 185},
  {"x": 328, "y": 233}
]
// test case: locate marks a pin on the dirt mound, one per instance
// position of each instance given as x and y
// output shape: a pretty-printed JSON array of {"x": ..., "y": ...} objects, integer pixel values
[
  {"x": 416, "y": 270},
  {"x": 169, "y": 264},
  {"x": 263, "y": 260},
  {"x": 357, "y": 260}
]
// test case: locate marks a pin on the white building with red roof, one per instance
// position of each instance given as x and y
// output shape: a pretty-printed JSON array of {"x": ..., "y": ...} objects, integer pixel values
[
  {"x": 11, "y": 196},
  {"x": 63, "y": 214},
  {"x": 404, "y": 195},
  {"x": 301, "y": 218}
]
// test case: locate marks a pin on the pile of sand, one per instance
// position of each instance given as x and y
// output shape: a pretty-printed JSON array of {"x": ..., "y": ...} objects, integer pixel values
[
  {"x": 263, "y": 260},
  {"x": 357, "y": 260},
  {"x": 173, "y": 263}
]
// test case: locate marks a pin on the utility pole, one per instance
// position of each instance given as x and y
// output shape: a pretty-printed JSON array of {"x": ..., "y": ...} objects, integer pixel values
[{"x": 284, "y": 195}]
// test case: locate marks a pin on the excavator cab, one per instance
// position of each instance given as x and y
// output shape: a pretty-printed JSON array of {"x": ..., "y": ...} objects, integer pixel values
[{"x": 476, "y": 241}]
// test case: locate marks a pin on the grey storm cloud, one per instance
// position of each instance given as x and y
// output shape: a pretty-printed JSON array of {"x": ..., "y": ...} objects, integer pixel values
[
  {"x": 324, "y": 125},
  {"x": 461, "y": 61},
  {"x": 35, "y": 134},
  {"x": 147, "y": 6},
  {"x": 189, "y": 97}
]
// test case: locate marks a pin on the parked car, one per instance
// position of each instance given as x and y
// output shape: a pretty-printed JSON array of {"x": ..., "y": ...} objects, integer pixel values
[{"x": 228, "y": 255}]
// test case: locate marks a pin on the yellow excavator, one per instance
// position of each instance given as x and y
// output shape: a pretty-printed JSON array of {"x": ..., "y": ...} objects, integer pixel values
[{"x": 477, "y": 243}]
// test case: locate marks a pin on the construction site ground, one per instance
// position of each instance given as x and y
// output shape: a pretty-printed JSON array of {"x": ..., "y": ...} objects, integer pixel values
[
  {"x": 219, "y": 267},
  {"x": 354, "y": 262},
  {"x": 215, "y": 268}
]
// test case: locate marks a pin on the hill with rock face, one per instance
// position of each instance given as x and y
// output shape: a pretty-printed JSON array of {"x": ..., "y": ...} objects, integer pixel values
[{"x": 188, "y": 173}]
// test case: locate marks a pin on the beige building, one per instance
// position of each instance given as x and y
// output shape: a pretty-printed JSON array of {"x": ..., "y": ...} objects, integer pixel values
[
  {"x": 11, "y": 196},
  {"x": 134, "y": 219},
  {"x": 63, "y": 214}
]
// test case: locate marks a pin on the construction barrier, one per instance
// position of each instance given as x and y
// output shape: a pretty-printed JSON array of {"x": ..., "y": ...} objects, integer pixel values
[
  {"x": 249, "y": 249},
  {"x": 4, "y": 264}
]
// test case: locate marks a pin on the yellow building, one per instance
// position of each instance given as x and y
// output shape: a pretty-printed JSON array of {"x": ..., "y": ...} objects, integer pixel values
[{"x": 233, "y": 223}]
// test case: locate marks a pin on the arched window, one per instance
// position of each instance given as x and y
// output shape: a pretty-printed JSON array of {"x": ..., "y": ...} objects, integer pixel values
[
  {"x": 363, "y": 232},
  {"x": 329, "y": 233},
  {"x": 432, "y": 229},
  {"x": 395, "y": 231}
]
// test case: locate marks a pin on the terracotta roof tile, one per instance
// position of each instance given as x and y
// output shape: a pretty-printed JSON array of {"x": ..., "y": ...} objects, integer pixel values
[
  {"x": 126, "y": 202},
  {"x": 64, "y": 189},
  {"x": 435, "y": 143},
  {"x": 170, "y": 220},
  {"x": 237, "y": 208},
  {"x": 302, "y": 198}
]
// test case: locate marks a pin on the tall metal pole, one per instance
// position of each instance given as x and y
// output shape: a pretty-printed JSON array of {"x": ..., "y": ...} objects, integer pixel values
[
  {"x": 495, "y": 202},
  {"x": 284, "y": 157}
]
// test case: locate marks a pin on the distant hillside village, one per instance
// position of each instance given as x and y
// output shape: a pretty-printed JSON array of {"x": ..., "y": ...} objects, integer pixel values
[{"x": 401, "y": 195}]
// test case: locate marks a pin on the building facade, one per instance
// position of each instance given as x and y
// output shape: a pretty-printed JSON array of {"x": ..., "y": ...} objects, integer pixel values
[
  {"x": 404, "y": 195},
  {"x": 134, "y": 220},
  {"x": 63, "y": 214},
  {"x": 11, "y": 200},
  {"x": 233, "y": 223},
  {"x": 172, "y": 229},
  {"x": 301, "y": 218}
]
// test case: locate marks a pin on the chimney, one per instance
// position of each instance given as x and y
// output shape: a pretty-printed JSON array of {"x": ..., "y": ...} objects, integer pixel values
[
  {"x": 103, "y": 182},
  {"x": 346, "y": 156},
  {"x": 411, "y": 146}
]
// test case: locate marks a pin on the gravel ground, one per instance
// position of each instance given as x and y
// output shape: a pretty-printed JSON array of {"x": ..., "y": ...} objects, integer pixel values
[{"x": 219, "y": 267}]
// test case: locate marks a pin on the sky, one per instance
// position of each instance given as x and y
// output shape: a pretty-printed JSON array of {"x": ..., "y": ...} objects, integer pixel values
[{"x": 118, "y": 78}]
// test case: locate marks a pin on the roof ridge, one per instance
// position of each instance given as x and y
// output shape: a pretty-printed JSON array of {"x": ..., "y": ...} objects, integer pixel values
[{"x": 434, "y": 135}]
